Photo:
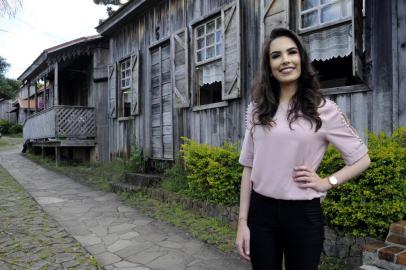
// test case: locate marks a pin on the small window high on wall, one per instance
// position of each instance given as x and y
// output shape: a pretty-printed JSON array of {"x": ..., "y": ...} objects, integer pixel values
[{"x": 208, "y": 60}]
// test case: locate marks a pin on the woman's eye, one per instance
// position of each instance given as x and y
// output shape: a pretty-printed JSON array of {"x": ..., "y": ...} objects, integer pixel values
[
  {"x": 293, "y": 52},
  {"x": 274, "y": 56}
]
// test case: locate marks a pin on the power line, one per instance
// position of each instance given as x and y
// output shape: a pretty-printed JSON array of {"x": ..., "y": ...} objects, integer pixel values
[{"x": 39, "y": 30}]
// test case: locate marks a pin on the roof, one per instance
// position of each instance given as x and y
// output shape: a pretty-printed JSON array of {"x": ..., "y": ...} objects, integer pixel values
[
  {"x": 40, "y": 62},
  {"x": 120, "y": 16}
]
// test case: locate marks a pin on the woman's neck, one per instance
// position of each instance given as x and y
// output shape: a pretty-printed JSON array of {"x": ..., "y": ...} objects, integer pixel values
[{"x": 287, "y": 92}]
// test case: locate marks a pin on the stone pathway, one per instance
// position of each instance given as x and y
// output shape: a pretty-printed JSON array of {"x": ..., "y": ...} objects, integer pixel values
[
  {"x": 116, "y": 235},
  {"x": 31, "y": 239}
]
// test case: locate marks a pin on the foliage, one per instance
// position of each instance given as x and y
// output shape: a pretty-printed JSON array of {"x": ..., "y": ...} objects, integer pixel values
[
  {"x": 5, "y": 126},
  {"x": 366, "y": 206},
  {"x": 214, "y": 173},
  {"x": 8, "y": 87},
  {"x": 10, "y": 7},
  {"x": 176, "y": 177},
  {"x": 14, "y": 129},
  {"x": 138, "y": 162}
]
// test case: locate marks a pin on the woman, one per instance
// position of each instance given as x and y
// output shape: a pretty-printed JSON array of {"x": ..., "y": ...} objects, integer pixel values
[{"x": 289, "y": 126}]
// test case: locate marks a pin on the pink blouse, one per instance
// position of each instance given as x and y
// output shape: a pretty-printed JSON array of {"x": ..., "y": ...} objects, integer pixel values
[{"x": 273, "y": 153}]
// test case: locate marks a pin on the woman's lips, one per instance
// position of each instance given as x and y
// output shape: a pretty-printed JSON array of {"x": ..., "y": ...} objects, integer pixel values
[{"x": 286, "y": 70}]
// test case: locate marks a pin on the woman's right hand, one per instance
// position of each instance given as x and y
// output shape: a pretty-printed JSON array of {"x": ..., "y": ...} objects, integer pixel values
[{"x": 243, "y": 239}]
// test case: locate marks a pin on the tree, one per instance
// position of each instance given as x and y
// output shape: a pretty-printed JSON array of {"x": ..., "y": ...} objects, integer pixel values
[
  {"x": 109, "y": 4},
  {"x": 10, "y": 7},
  {"x": 8, "y": 87}
]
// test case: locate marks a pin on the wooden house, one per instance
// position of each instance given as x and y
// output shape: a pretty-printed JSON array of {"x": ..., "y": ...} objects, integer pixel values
[
  {"x": 70, "y": 110},
  {"x": 6, "y": 108},
  {"x": 185, "y": 68}
]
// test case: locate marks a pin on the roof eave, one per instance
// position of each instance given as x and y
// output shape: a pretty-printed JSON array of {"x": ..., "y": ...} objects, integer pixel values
[{"x": 118, "y": 16}]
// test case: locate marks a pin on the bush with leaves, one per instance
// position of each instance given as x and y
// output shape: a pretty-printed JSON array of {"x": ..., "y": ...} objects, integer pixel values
[
  {"x": 14, "y": 129},
  {"x": 367, "y": 205},
  {"x": 214, "y": 173},
  {"x": 5, "y": 126},
  {"x": 138, "y": 162}
]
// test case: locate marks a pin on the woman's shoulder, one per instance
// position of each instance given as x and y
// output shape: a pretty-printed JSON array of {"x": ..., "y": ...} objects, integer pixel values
[{"x": 328, "y": 108}]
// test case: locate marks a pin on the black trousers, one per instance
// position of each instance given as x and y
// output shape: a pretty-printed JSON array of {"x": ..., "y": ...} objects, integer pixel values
[{"x": 290, "y": 229}]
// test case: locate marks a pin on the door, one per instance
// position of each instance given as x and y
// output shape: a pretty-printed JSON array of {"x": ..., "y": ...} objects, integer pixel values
[{"x": 161, "y": 95}]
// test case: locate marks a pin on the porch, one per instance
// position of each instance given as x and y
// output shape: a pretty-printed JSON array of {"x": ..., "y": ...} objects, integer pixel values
[{"x": 61, "y": 125}]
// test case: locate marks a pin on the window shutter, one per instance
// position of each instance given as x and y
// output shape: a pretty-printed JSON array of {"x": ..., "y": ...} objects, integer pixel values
[
  {"x": 135, "y": 83},
  {"x": 357, "y": 49},
  {"x": 112, "y": 81},
  {"x": 274, "y": 13},
  {"x": 180, "y": 69},
  {"x": 230, "y": 16}
]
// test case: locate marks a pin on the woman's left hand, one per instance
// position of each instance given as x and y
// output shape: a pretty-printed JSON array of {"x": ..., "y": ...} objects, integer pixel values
[{"x": 307, "y": 178}]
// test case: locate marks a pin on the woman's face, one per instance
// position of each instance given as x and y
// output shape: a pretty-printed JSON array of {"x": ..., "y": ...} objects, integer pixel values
[{"x": 284, "y": 60}]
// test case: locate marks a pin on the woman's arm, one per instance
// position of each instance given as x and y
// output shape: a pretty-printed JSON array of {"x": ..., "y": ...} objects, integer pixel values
[
  {"x": 243, "y": 232},
  {"x": 308, "y": 178}
]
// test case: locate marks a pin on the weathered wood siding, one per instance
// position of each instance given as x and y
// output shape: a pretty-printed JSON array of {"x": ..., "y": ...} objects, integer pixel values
[
  {"x": 5, "y": 107},
  {"x": 372, "y": 107}
]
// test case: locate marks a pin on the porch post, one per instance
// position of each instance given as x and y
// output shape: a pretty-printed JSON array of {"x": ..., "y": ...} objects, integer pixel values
[
  {"x": 56, "y": 90},
  {"x": 36, "y": 96},
  {"x": 28, "y": 97},
  {"x": 44, "y": 97},
  {"x": 57, "y": 156}
]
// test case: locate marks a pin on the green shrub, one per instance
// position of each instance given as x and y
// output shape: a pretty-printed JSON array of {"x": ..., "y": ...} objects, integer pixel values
[
  {"x": 176, "y": 177},
  {"x": 138, "y": 162},
  {"x": 367, "y": 205},
  {"x": 4, "y": 126},
  {"x": 14, "y": 129},
  {"x": 214, "y": 173}
]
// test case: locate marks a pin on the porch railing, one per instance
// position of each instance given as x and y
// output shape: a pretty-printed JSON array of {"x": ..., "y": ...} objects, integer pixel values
[{"x": 61, "y": 121}]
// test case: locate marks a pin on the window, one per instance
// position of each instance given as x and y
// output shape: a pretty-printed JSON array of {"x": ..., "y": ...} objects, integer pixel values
[
  {"x": 125, "y": 88},
  {"x": 319, "y": 12},
  {"x": 208, "y": 60}
]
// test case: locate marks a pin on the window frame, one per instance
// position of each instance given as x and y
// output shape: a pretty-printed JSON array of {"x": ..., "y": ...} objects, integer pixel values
[
  {"x": 124, "y": 90},
  {"x": 216, "y": 18},
  {"x": 198, "y": 65},
  {"x": 319, "y": 24}
]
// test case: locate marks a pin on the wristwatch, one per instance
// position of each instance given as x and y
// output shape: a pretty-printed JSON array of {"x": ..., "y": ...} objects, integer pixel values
[{"x": 333, "y": 181}]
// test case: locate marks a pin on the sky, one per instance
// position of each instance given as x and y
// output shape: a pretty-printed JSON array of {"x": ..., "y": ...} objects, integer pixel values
[{"x": 41, "y": 24}]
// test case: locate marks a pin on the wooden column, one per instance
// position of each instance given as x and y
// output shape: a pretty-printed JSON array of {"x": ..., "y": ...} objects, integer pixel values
[
  {"x": 56, "y": 83},
  {"x": 57, "y": 156},
  {"x": 44, "y": 98},
  {"x": 28, "y": 98},
  {"x": 36, "y": 96}
]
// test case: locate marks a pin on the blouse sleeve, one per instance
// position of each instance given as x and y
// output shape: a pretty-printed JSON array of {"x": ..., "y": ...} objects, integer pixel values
[
  {"x": 343, "y": 136},
  {"x": 247, "y": 150}
]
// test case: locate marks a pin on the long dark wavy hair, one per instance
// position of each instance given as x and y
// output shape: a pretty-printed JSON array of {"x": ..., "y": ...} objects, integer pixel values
[{"x": 266, "y": 89}]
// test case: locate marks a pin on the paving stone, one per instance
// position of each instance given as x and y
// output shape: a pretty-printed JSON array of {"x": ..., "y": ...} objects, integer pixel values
[
  {"x": 120, "y": 244},
  {"x": 129, "y": 235},
  {"x": 101, "y": 223},
  {"x": 107, "y": 258},
  {"x": 121, "y": 228},
  {"x": 88, "y": 240}
]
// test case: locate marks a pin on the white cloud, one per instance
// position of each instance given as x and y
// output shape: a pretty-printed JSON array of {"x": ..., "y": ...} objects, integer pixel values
[{"x": 42, "y": 24}]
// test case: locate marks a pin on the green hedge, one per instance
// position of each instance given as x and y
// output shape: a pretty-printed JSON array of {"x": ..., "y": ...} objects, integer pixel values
[
  {"x": 367, "y": 205},
  {"x": 213, "y": 173},
  {"x": 4, "y": 126},
  {"x": 14, "y": 129},
  {"x": 364, "y": 206}
]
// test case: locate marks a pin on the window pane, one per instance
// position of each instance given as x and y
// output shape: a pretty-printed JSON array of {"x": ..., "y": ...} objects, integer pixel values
[
  {"x": 200, "y": 31},
  {"x": 331, "y": 13},
  {"x": 218, "y": 23},
  {"x": 200, "y": 55},
  {"x": 210, "y": 27},
  {"x": 200, "y": 43},
  {"x": 306, "y": 4},
  {"x": 219, "y": 49},
  {"x": 210, "y": 39},
  {"x": 127, "y": 73},
  {"x": 210, "y": 52},
  {"x": 347, "y": 9},
  {"x": 127, "y": 82},
  {"x": 309, "y": 19},
  {"x": 218, "y": 36},
  {"x": 128, "y": 63}
]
